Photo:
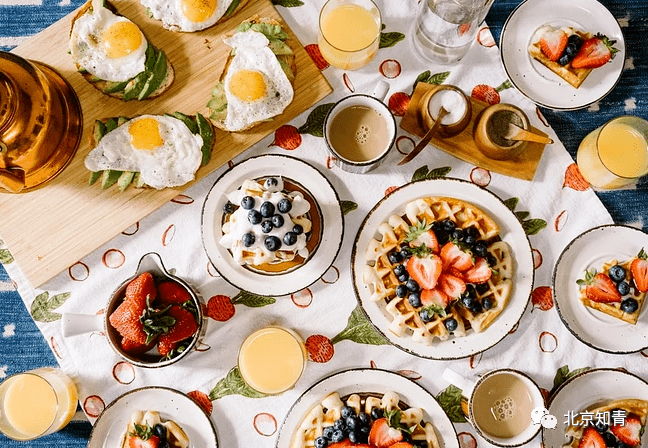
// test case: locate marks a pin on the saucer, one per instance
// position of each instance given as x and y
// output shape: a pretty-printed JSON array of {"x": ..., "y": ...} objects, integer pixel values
[
  {"x": 318, "y": 262},
  {"x": 536, "y": 81},
  {"x": 590, "y": 250}
]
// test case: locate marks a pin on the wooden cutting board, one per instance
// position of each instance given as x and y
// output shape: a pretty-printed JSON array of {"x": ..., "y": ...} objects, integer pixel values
[{"x": 51, "y": 228}]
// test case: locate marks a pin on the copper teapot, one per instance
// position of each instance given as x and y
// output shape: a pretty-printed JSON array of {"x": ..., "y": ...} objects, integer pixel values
[{"x": 40, "y": 123}]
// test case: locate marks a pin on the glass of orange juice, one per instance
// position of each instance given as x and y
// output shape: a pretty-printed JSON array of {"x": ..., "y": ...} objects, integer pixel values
[
  {"x": 349, "y": 32},
  {"x": 36, "y": 403},
  {"x": 615, "y": 154},
  {"x": 271, "y": 360}
]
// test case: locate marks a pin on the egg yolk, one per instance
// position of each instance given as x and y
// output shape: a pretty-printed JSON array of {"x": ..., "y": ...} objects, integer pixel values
[
  {"x": 145, "y": 134},
  {"x": 198, "y": 10},
  {"x": 248, "y": 85},
  {"x": 121, "y": 39}
]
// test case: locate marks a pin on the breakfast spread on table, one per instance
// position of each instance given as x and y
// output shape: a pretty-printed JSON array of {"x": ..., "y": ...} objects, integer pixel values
[
  {"x": 147, "y": 430},
  {"x": 619, "y": 289},
  {"x": 442, "y": 269},
  {"x": 365, "y": 420},
  {"x": 612, "y": 423}
]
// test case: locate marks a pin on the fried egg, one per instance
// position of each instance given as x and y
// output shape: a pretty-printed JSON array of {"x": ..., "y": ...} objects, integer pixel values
[
  {"x": 161, "y": 148},
  {"x": 110, "y": 47},
  {"x": 256, "y": 87},
  {"x": 187, "y": 15}
]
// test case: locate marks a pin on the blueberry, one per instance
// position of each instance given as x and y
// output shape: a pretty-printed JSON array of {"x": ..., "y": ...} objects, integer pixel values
[
  {"x": 481, "y": 288},
  {"x": 457, "y": 234},
  {"x": 414, "y": 299},
  {"x": 574, "y": 39},
  {"x": 376, "y": 413},
  {"x": 339, "y": 425},
  {"x": 451, "y": 324},
  {"x": 352, "y": 422},
  {"x": 272, "y": 243},
  {"x": 248, "y": 239},
  {"x": 401, "y": 290},
  {"x": 442, "y": 237},
  {"x": 467, "y": 301},
  {"x": 346, "y": 412},
  {"x": 563, "y": 60},
  {"x": 254, "y": 217},
  {"x": 290, "y": 238},
  {"x": 321, "y": 442},
  {"x": 277, "y": 220},
  {"x": 364, "y": 433},
  {"x": 601, "y": 426},
  {"x": 469, "y": 240},
  {"x": 480, "y": 248},
  {"x": 353, "y": 437},
  {"x": 448, "y": 225},
  {"x": 623, "y": 288},
  {"x": 629, "y": 305},
  {"x": 487, "y": 303},
  {"x": 267, "y": 209},
  {"x": 364, "y": 419},
  {"x": 610, "y": 439},
  {"x": 284, "y": 206},
  {"x": 247, "y": 202},
  {"x": 338, "y": 436},
  {"x": 327, "y": 432},
  {"x": 266, "y": 226},
  {"x": 617, "y": 273},
  {"x": 412, "y": 285},
  {"x": 571, "y": 50},
  {"x": 270, "y": 182},
  {"x": 420, "y": 443},
  {"x": 298, "y": 229},
  {"x": 164, "y": 444},
  {"x": 228, "y": 207},
  {"x": 403, "y": 278},
  {"x": 406, "y": 253},
  {"x": 160, "y": 431},
  {"x": 425, "y": 316},
  {"x": 492, "y": 261},
  {"x": 472, "y": 231},
  {"x": 470, "y": 291},
  {"x": 399, "y": 270},
  {"x": 394, "y": 257},
  {"x": 476, "y": 307}
]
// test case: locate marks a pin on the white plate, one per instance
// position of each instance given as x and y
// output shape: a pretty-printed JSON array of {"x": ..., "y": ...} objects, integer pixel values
[
  {"x": 369, "y": 380},
  {"x": 318, "y": 262},
  {"x": 535, "y": 80},
  {"x": 590, "y": 250},
  {"x": 511, "y": 232},
  {"x": 110, "y": 427},
  {"x": 588, "y": 388}
]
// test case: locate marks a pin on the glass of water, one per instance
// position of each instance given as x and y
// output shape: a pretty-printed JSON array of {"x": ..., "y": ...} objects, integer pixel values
[{"x": 444, "y": 30}]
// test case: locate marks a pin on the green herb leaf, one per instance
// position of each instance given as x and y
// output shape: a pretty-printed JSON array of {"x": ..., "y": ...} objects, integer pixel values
[
  {"x": 435, "y": 309},
  {"x": 348, "y": 206},
  {"x": 450, "y": 401},
  {"x": 315, "y": 122},
  {"x": 533, "y": 226},
  {"x": 424, "y": 174},
  {"x": 42, "y": 306},
  {"x": 5, "y": 256},
  {"x": 390, "y": 39},
  {"x": 511, "y": 203},
  {"x": 233, "y": 384},
  {"x": 421, "y": 251},
  {"x": 287, "y": 3},
  {"x": 252, "y": 300},
  {"x": 360, "y": 330},
  {"x": 428, "y": 78}
]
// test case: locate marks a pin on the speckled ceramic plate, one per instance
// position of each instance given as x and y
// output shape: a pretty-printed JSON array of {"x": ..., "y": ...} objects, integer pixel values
[
  {"x": 588, "y": 388},
  {"x": 536, "y": 81},
  {"x": 369, "y": 380},
  {"x": 109, "y": 429},
  {"x": 318, "y": 262},
  {"x": 590, "y": 250},
  {"x": 511, "y": 232}
]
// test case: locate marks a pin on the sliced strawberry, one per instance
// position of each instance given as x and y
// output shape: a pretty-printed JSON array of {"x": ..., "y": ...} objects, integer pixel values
[
  {"x": 591, "y": 439},
  {"x": 402, "y": 445},
  {"x": 451, "y": 285},
  {"x": 602, "y": 289},
  {"x": 594, "y": 52},
  {"x": 630, "y": 432},
  {"x": 429, "y": 239},
  {"x": 434, "y": 297},
  {"x": 382, "y": 435},
  {"x": 184, "y": 327},
  {"x": 552, "y": 43},
  {"x": 135, "y": 348},
  {"x": 142, "y": 287},
  {"x": 137, "y": 442},
  {"x": 126, "y": 320},
  {"x": 343, "y": 444},
  {"x": 166, "y": 346},
  {"x": 425, "y": 271},
  {"x": 480, "y": 273},
  {"x": 639, "y": 269},
  {"x": 454, "y": 257},
  {"x": 172, "y": 293}
]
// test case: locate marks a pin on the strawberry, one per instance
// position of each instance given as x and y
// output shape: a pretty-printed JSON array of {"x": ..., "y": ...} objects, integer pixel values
[
  {"x": 630, "y": 432},
  {"x": 141, "y": 288},
  {"x": 429, "y": 239},
  {"x": 480, "y": 273},
  {"x": 135, "y": 348},
  {"x": 552, "y": 43},
  {"x": 220, "y": 308},
  {"x": 383, "y": 434},
  {"x": 454, "y": 257},
  {"x": 639, "y": 269},
  {"x": 599, "y": 287},
  {"x": 595, "y": 52},
  {"x": 425, "y": 271},
  {"x": 591, "y": 439},
  {"x": 184, "y": 327},
  {"x": 434, "y": 297},
  {"x": 402, "y": 445},
  {"x": 172, "y": 293},
  {"x": 142, "y": 437},
  {"x": 126, "y": 320},
  {"x": 165, "y": 346},
  {"x": 451, "y": 285},
  {"x": 319, "y": 348}
]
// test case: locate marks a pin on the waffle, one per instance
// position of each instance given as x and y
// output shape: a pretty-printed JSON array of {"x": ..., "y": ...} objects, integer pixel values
[
  {"x": 574, "y": 76},
  {"x": 614, "y": 309},
  {"x": 176, "y": 437},
  {"x": 631, "y": 406},
  {"x": 379, "y": 274},
  {"x": 329, "y": 410}
]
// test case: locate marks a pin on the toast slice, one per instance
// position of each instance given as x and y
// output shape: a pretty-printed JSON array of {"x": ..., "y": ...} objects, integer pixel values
[
  {"x": 574, "y": 76},
  {"x": 156, "y": 78}
]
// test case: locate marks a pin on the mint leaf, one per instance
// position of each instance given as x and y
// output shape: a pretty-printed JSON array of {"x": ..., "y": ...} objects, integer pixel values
[{"x": 450, "y": 401}]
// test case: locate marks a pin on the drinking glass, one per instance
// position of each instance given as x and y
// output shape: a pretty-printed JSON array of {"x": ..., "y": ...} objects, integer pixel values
[
  {"x": 445, "y": 29},
  {"x": 349, "y": 32},
  {"x": 615, "y": 154},
  {"x": 36, "y": 403}
]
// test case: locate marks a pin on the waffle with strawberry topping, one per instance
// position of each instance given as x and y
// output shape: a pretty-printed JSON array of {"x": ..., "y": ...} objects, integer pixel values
[
  {"x": 619, "y": 290},
  {"x": 367, "y": 420},
  {"x": 441, "y": 268},
  {"x": 146, "y": 429},
  {"x": 613, "y": 423}
]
